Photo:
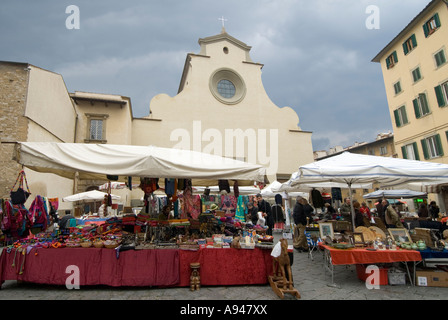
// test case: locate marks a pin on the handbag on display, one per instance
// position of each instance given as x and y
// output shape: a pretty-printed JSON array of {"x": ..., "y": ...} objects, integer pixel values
[{"x": 20, "y": 195}]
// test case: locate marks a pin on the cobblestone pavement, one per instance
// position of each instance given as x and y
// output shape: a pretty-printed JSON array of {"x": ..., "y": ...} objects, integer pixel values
[{"x": 310, "y": 279}]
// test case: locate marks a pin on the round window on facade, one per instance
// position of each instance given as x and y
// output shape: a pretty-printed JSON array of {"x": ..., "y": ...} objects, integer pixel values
[
  {"x": 227, "y": 86},
  {"x": 226, "y": 89}
]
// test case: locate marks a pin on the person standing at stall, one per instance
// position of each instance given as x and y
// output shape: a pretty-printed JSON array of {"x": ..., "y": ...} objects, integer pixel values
[
  {"x": 364, "y": 209},
  {"x": 346, "y": 210},
  {"x": 423, "y": 211},
  {"x": 434, "y": 210},
  {"x": 252, "y": 213},
  {"x": 330, "y": 213},
  {"x": 391, "y": 216},
  {"x": 265, "y": 207},
  {"x": 299, "y": 217}
]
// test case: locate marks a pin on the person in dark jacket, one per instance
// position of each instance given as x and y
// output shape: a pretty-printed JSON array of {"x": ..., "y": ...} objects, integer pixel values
[
  {"x": 308, "y": 210},
  {"x": 433, "y": 210},
  {"x": 299, "y": 217},
  {"x": 265, "y": 207},
  {"x": 252, "y": 212},
  {"x": 359, "y": 217}
]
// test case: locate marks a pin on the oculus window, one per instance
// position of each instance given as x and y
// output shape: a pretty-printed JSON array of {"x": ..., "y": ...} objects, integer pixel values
[
  {"x": 227, "y": 86},
  {"x": 226, "y": 89}
]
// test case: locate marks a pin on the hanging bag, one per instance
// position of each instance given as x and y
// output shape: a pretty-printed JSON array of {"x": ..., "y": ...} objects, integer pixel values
[{"x": 20, "y": 195}]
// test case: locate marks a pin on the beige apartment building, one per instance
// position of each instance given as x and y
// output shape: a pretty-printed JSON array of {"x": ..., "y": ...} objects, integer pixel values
[
  {"x": 221, "y": 108},
  {"x": 415, "y": 71}
]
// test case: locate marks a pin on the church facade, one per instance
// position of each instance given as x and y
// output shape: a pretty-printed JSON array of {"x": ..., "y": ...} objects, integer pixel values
[{"x": 221, "y": 108}]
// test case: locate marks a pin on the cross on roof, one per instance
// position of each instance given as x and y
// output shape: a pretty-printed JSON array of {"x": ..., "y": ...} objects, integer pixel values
[{"x": 222, "y": 20}]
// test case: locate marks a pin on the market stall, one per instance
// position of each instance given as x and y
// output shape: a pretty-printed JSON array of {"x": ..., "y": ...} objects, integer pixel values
[
  {"x": 166, "y": 236},
  {"x": 334, "y": 256},
  {"x": 350, "y": 168}
]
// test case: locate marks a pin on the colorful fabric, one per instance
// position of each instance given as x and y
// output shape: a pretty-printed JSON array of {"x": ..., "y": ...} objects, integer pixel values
[
  {"x": 39, "y": 213},
  {"x": 240, "y": 210}
]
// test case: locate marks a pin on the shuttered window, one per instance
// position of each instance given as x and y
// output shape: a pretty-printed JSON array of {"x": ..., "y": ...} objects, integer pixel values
[
  {"x": 409, "y": 44},
  {"x": 421, "y": 107},
  {"x": 431, "y": 25},
  {"x": 442, "y": 94},
  {"x": 432, "y": 147},
  {"x": 440, "y": 58},
  {"x": 401, "y": 117},
  {"x": 410, "y": 151},
  {"x": 416, "y": 75},
  {"x": 391, "y": 60},
  {"x": 397, "y": 87}
]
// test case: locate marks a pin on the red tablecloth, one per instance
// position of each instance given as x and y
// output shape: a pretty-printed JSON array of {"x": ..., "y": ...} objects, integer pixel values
[
  {"x": 96, "y": 266},
  {"x": 227, "y": 266},
  {"x": 364, "y": 256},
  {"x": 157, "y": 267}
]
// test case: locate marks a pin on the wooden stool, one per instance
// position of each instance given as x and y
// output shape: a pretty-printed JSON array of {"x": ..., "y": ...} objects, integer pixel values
[{"x": 195, "y": 278}]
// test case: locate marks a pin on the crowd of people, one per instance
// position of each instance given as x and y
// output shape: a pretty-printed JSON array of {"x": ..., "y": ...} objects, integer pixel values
[{"x": 303, "y": 214}]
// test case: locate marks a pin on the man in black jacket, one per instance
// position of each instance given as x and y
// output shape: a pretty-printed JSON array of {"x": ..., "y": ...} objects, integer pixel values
[
  {"x": 265, "y": 207},
  {"x": 299, "y": 217}
]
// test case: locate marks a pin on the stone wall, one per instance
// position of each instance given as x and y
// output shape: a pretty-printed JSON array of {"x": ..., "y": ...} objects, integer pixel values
[{"x": 13, "y": 124}]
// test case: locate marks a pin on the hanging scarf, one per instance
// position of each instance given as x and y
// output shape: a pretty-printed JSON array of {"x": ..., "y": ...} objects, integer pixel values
[{"x": 239, "y": 214}]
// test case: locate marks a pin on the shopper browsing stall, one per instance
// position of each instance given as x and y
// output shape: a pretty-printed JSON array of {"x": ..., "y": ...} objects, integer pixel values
[{"x": 265, "y": 207}]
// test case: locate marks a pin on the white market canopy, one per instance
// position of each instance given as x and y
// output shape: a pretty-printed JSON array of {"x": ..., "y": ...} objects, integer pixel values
[
  {"x": 93, "y": 195},
  {"x": 395, "y": 194},
  {"x": 350, "y": 168},
  {"x": 273, "y": 189},
  {"x": 97, "y": 161}
]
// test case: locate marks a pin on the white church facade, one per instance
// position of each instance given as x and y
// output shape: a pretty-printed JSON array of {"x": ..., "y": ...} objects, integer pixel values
[{"x": 221, "y": 107}]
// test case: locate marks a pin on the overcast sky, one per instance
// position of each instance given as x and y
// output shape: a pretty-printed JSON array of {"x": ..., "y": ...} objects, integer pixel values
[{"x": 316, "y": 54}]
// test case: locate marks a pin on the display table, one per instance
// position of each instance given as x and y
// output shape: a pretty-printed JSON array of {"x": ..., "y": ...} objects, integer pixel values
[
  {"x": 96, "y": 266},
  {"x": 151, "y": 267},
  {"x": 334, "y": 257},
  {"x": 433, "y": 258},
  {"x": 227, "y": 266}
]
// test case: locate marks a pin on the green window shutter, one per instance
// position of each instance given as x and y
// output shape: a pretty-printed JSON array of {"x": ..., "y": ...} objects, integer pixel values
[
  {"x": 416, "y": 108},
  {"x": 403, "y": 151},
  {"x": 405, "y": 48},
  {"x": 424, "y": 103},
  {"x": 404, "y": 116},
  {"x": 437, "y": 20},
  {"x": 395, "y": 56},
  {"x": 439, "y": 145},
  {"x": 397, "y": 118},
  {"x": 442, "y": 57},
  {"x": 439, "y": 94},
  {"x": 426, "y": 30},
  {"x": 414, "y": 145},
  {"x": 387, "y": 63},
  {"x": 425, "y": 149},
  {"x": 414, "y": 40}
]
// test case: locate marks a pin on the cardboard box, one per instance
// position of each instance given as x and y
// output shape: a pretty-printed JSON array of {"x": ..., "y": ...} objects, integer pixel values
[{"x": 431, "y": 278}]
